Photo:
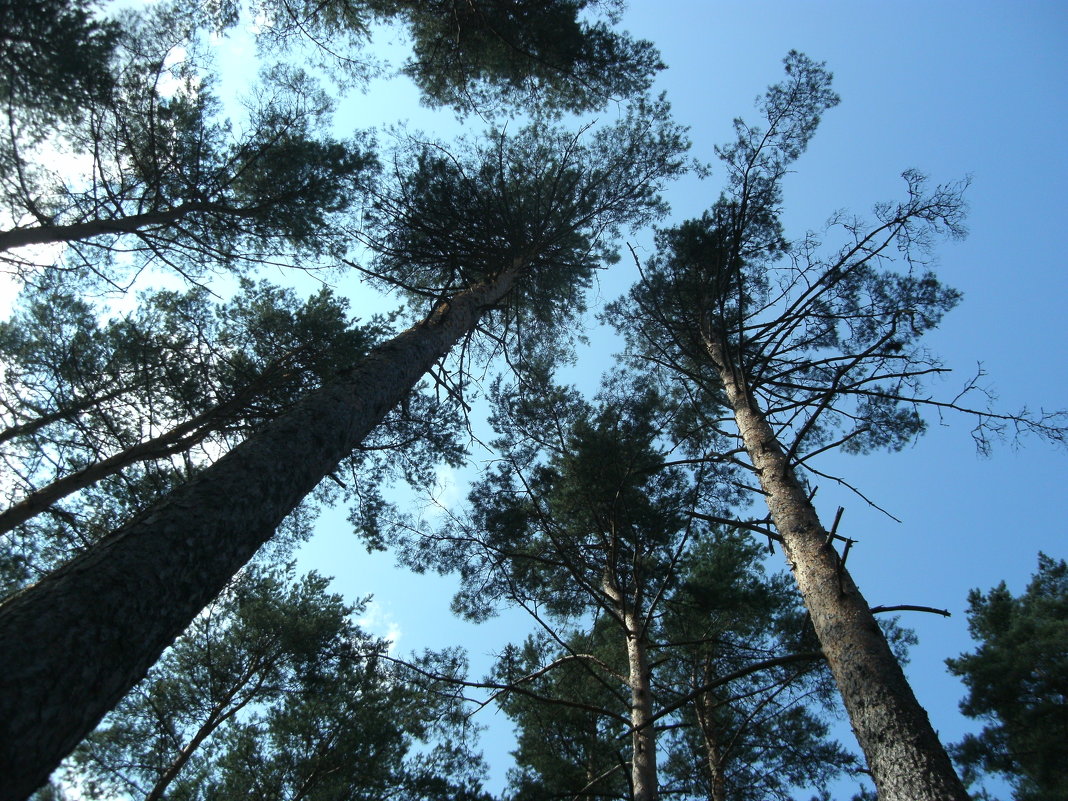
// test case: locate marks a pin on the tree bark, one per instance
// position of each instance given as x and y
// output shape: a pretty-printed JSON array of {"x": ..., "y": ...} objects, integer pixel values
[
  {"x": 643, "y": 739},
  {"x": 56, "y": 234},
  {"x": 174, "y": 441},
  {"x": 704, "y": 706},
  {"x": 906, "y": 759},
  {"x": 76, "y": 642}
]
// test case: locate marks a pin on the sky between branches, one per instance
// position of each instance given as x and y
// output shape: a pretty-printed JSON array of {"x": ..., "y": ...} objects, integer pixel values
[{"x": 952, "y": 89}]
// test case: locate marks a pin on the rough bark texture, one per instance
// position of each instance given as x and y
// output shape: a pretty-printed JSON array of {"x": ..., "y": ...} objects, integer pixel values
[
  {"x": 906, "y": 759},
  {"x": 76, "y": 642},
  {"x": 705, "y": 705},
  {"x": 643, "y": 740}
]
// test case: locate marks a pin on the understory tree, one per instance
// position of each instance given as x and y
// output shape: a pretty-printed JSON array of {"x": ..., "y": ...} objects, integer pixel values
[
  {"x": 809, "y": 349},
  {"x": 1017, "y": 680},
  {"x": 659, "y": 634}
]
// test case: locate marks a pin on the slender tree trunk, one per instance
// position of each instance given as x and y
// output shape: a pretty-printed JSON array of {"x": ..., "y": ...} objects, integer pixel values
[
  {"x": 219, "y": 715},
  {"x": 643, "y": 740},
  {"x": 74, "y": 643},
  {"x": 704, "y": 705},
  {"x": 906, "y": 759}
]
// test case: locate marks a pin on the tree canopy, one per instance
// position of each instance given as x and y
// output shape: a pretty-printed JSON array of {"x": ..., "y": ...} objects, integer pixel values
[
  {"x": 275, "y": 691},
  {"x": 162, "y": 456},
  {"x": 653, "y": 625},
  {"x": 160, "y": 157},
  {"x": 819, "y": 354},
  {"x": 1017, "y": 679}
]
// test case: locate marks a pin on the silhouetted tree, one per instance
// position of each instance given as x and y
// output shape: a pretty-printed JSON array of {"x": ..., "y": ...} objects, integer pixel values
[{"x": 1017, "y": 679}]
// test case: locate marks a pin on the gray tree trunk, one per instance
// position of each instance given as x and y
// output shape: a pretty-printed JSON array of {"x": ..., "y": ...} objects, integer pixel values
[
  {"x": 906, "y": 759},
  {"x": 74, "y": 644},
  {"x": 643, "y": 740}
]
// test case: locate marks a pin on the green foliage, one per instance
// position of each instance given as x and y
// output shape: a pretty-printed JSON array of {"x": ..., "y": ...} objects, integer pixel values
[
  {"x": 272, "y": 692},
  {"x": 481, "y": 56},
  {"x": 54, "y": 59},
  {"x": 78, "y": 389},
  {"x": 587, "y": 511},
  {"x": 760, "y": 734},
  {"x": 585, "y": 523},
  {"x": 832, "y": 340},
  {"x": 570, "y": 731},
  {"x": 484, "y": 54},
  {"x": 164, "y": 178},
  {"x": 1017, "y": 680},
  {"x": 763, "y": 730},
  {"x": 543, "y": 200}
]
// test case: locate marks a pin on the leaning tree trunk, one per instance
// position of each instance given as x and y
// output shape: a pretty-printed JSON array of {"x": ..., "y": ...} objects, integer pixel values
[
  {"x": 906, "y": 759},
  {"x": 74, "y": 644},
  {"x": 73, "y": 232}
]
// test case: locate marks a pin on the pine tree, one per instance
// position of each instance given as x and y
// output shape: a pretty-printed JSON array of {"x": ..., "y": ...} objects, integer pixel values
[
  {"x": 512, "y": 264},
  {"x": 133, "y": 405},
  {"x": 166, "y": 178},
  {"x": 651, "y": 622},
  {"x": 273, "y": 691},
  {"x": 807, "y": 352},
  {"x": 1017, "y": 679},
  {"x": 152, "y": 173}
]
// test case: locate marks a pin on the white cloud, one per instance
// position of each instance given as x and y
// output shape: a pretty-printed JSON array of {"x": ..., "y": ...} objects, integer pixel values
[{"x": 379, "y": 622}]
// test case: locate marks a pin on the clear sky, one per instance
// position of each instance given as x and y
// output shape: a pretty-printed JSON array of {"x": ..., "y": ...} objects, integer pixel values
[{"x": 949, "y": 88}]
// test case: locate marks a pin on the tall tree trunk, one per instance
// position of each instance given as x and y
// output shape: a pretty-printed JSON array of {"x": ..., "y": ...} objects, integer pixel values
[
  {"x": 76, "y": 642},
  {"x": 705, "y": 708},
  {"x": 643, "y": 739},
  {"x": 906, "y": 759}
]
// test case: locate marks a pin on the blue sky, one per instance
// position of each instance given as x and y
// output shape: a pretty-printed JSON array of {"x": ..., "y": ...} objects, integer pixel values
[{"x": 951, "y": 89}]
